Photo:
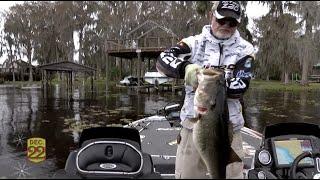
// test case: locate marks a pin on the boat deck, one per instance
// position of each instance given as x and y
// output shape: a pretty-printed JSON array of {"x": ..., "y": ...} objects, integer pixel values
[{"x": 158, "y": 139}]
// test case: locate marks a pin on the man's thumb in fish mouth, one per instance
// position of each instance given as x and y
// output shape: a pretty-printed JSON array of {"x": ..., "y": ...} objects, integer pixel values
[{"x": 190, "y": 77}]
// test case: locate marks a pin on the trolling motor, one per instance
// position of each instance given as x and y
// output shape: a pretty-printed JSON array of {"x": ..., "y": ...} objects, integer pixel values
[
  {"x": 172, "y": 114},
  {"x": 288, "y": 151}
]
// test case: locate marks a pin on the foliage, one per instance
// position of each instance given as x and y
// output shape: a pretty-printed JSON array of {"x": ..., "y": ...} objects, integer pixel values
[
  {"x": 279, "y": 86},
  {"x": 287, "y": 39},
  {"x": 45, "y": 31},
  {"x": 114, "y": 73}
]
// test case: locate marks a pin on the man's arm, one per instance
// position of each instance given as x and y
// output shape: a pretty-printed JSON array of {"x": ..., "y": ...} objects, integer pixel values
[
  {"x": 242, "y": 76},
  {"x": 172, "y": 62}
]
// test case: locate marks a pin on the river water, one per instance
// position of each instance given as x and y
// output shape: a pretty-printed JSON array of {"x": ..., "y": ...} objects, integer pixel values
[{"x": 59, "y": 117}]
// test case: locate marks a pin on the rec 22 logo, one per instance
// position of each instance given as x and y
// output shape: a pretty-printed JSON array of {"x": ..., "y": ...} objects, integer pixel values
[
  {"x": 230, "y": 5},
  {"x": 36, "y": 149}
]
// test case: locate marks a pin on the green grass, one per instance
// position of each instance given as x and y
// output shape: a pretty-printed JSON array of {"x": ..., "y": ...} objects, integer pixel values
[
  {"x": 280, "y": 86},
  {"x": 23, "y": 83}
]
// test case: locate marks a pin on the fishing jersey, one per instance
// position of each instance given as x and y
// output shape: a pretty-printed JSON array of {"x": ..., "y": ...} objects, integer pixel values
[{"x": 234, "y": 55}]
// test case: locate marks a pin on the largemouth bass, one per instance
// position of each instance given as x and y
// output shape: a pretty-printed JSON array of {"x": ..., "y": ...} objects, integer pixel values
[{"x": 211, "y": 133}]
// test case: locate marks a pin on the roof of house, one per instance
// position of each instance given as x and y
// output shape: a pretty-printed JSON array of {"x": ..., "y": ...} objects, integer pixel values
[{"x": 66, "y": 66}]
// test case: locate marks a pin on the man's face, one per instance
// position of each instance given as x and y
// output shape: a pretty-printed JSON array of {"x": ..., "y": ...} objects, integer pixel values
[{"x": 223, "y": 28}]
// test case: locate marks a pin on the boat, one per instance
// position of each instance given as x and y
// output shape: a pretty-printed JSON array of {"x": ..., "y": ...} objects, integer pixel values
[
  {"x": 156, "y": 78},
  {"x": 129, "y": 81},
  {"x": 157, "y": 139},
  {"x": 289, "y": 150}
]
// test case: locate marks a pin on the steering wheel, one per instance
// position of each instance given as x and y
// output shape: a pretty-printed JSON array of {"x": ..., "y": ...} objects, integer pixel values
[{"x": 293, "y": 168}]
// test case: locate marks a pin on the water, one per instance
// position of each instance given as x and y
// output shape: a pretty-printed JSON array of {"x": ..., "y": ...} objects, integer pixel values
[
  {"x": 268, "y": 107},
  {"x": 59, "y": 118}
]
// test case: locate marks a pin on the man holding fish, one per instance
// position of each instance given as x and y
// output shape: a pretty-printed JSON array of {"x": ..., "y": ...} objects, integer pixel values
[{"x": 216, "y": 67}]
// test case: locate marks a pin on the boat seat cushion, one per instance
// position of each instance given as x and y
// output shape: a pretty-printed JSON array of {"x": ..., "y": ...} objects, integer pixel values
[{"x": 118, "y": 157}]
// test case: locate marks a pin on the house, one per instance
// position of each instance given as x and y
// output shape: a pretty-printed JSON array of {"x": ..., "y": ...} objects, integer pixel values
[
  {"x": 316, "y": 69},
  {"x": 315, "y": 73},
  {"x": 20, "y": 69}
]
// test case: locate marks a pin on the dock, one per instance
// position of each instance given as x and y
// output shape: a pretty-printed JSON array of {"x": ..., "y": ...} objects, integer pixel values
[
  {"x": 150, "y": 88},
  {"x": 137, "y": 53}
]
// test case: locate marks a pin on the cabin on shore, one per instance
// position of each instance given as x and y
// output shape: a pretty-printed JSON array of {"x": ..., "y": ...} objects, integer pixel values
[
  {"x": 315, "y": 73},
  {"x": 20, "y": 69}
]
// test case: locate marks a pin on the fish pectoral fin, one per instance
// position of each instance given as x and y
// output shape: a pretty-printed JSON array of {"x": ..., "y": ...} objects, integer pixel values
[
  {"x": 213, "y": 103},
  {"x": 233, "y": 157},
  {"x": 213, "y": 106}
]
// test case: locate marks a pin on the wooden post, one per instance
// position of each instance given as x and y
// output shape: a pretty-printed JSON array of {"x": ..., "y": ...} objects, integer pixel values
[
  {"x": 71, "y": 89},
  {"x": 159, "y": 43},
  {"x": 148, "y": 64},
  {"x": 71, "y": 81},
  {"x": 42, "y": 84},
  {"x": 120, "y": 68},
  {"x": 145, "y": 42},
  {"x": 46, "y": 76},
  {"x": 119, "y": 42},
  {"x": 92, "y": 81},
  {"x": 138, "y": 51},
  {"x": 107, "y": 71},
  {"x": 131, "y": 70},
  {"x": 154, "y": 62},
  {"x": 173, "y": 86},
  {"x": 66, "y": 74},
  {"x": 143, "y": 68},
  {"x": 172, "y": 41}
]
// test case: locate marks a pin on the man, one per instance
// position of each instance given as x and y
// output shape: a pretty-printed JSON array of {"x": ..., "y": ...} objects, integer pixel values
[{"x": 218, "y": 46}]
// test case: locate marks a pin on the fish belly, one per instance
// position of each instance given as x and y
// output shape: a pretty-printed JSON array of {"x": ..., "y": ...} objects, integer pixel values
[
  {"x": 207, "y": 129},
  {"x": 207, "y": 144}
]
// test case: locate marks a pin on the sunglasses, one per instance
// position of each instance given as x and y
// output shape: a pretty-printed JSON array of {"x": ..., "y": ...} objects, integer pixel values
[{"x": 232, "y": 22}]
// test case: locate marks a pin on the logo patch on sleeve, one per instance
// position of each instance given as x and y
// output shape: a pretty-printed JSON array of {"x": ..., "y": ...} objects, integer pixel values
[{"x": 247, "y": 64}]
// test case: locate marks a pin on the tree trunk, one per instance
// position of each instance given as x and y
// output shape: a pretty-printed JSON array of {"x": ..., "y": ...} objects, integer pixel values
[
  {"x": 286, "y": 78},
  {"x": 12, "y": 65},
  {"x": 305, "y": 64},
  {"x": 30, "y": 65},
  {"x": 306, "y": 55},
  {"x": 80, "y": 46},
  {"x": 99, "y": 62}
]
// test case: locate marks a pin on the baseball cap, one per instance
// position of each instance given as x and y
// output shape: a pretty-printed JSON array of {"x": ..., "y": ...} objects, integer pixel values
[{"x": 225, "y": 9}]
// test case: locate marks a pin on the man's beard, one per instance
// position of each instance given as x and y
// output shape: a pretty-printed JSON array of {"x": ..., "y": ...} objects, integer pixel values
[{"x": 222, "y": 36}]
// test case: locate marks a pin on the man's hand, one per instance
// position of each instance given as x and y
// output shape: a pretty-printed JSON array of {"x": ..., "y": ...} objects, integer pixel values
[
  {"x": 235, "y": 87},
  {"x": 190, "y": 76}
]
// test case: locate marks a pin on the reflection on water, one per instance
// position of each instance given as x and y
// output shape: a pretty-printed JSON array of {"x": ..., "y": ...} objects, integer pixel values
[
  {"x": 59, "y": 116},
  {"x": 268, "y": 107}
]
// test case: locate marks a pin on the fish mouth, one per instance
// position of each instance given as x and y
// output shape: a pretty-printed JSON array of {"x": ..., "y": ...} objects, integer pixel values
[{"x": 202, "y": 110}]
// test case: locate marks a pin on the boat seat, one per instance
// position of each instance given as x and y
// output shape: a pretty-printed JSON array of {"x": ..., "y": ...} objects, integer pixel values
[
  {"x": 110, "y": 157},
  {"x": 123, "y": 154}
]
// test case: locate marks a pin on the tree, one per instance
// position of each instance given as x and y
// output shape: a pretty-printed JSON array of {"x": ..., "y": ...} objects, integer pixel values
[
  {"x": 83, "y": 12},
  {"x": 10, "y": 51},
  {"x": 19, "y": 23},
  {"x": 278, "y": 39},
  {"x": 309, "y": 13}
]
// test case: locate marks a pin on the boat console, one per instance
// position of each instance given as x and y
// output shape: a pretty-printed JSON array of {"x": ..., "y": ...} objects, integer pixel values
[
  {"x": 288, "y": 150},
  {"x": 110, "y": 152}
]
